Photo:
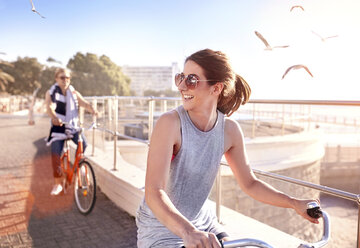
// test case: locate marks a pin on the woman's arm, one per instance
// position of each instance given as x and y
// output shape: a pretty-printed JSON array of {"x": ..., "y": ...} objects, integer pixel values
[
  {"x": 50, "y": 110},
  {"x": 236, "y": 156},
  {"x": 165, "y": 136},
  {"x": 85, "y": 104}
]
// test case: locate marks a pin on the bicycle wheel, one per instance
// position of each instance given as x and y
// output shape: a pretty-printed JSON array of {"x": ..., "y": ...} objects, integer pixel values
[{"x": 85, "y": 188}]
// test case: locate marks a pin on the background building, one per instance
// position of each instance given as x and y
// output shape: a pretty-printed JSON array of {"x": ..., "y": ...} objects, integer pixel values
[{"x": 150, "y": 77}]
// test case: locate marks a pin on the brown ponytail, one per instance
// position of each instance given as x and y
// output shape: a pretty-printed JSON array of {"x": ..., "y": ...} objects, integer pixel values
[
  {"x": 216, "y": 67},
  {"x": 229, "y": 103}
]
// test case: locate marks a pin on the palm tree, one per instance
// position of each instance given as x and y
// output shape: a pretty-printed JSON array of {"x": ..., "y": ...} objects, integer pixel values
[{"x": 5, "y": 78}]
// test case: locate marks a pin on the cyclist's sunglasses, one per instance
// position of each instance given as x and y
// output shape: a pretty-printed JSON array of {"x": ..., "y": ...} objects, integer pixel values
[
  {"x": 191, "y": 80},
  {"x": 63, "y": 77}
]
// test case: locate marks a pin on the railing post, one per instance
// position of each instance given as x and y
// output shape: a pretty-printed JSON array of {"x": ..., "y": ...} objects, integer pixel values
[
  {"x": 338, "y": 153},
  {"x": 110, "y": 114},
  {"x": 116, "y": 111},
  {"x": 309, "y": 119},
  {"x": 94, "y": 104},
  {"x": 151, "y": 116},
  {"x": 163, "y": 106},
  {"x": 218, "y": 194},
  {"x": 103, "y": 114},
  {"x": 253, "y": 122},
  {"x": 283, "y": 120}
]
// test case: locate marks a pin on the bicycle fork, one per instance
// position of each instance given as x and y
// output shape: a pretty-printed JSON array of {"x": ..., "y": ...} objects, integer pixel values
[
  {"x": 82, "y": 172},
  {"x": 66, "y": 165},
  {"x": 83, "y": 180}
]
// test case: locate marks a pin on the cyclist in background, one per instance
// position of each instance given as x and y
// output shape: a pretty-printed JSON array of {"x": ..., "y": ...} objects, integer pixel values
[
  {"x": 62, "y": 105},
  {"x": 185, "y": 151}
]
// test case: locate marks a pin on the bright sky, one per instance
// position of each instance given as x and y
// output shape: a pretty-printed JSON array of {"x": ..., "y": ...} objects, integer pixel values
[{"x": 159, "y": 32}]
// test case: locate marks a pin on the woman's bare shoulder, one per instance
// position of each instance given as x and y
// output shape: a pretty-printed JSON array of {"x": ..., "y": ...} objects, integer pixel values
[
  {"x": 171, "y": 115},
  {"x": 231, "y": 124},
  {"x": 233, "y": 133},
  {"x": 166, "y": 130},
  {"x": 169, "y": 120}
]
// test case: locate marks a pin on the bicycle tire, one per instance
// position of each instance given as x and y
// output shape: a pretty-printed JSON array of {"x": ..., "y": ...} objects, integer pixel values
[{"x": 85, "y": 196}]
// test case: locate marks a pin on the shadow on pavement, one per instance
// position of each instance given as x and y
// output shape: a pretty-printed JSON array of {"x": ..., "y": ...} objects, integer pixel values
[
  {"x": 42, "y": 182},
  {"x": 56, "y": 222},
  {"x": 15, "y": 205}
]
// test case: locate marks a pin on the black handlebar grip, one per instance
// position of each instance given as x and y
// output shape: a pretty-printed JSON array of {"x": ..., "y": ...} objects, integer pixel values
[{"x": 313, "y": 210}]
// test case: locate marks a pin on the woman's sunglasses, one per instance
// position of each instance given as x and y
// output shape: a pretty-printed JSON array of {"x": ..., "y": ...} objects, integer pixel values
[
  {"x": 191, "y": 80},
  {"x": 63, "y": 77}
]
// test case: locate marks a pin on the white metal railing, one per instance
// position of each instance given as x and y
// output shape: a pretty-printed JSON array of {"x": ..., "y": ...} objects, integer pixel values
[
  {"x": 10, "y": 104},
  {"x": 149, "y": 104}
]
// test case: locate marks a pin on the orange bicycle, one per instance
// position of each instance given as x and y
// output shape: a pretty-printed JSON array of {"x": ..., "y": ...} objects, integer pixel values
[{"x": 85, "y": 182}]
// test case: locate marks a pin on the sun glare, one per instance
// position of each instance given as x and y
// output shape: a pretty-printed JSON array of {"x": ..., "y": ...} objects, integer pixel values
[{"x": 322, "y": 36}]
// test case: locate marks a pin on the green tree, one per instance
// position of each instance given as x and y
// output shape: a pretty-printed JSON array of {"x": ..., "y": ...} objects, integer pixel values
[
  {"x": 47, "y": 78},
  {"x": 5, "y": 78},
  {"x": 26, "y": 72},
  {"x": 97, "y": 76}
]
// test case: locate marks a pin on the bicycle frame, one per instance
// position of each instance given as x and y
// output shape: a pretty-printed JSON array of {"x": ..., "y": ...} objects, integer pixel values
[
  {"x": 85, "y": 178},
  {"x": 78, "y": 157}
]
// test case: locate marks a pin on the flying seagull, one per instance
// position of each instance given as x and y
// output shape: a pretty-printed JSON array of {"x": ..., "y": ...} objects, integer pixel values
[
  {"x": 34, "y": 10},
  {"x": 268, "y": 47},
  {"x": 323, "y": 39},
  {"x": 297, "y": 6},
  {"x": 52, "y": 60},
  {"x": 296, "y": 67}
]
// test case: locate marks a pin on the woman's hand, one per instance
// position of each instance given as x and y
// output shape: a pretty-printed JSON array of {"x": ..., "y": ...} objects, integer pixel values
[
  {"x": 199, "y": 239},
  {"x": 300, "y": 206},
  {"x": 56, "y": 122}
]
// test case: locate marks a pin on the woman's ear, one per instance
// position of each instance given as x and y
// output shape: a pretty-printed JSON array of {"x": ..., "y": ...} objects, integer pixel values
[{"x": 218, "y": 88}]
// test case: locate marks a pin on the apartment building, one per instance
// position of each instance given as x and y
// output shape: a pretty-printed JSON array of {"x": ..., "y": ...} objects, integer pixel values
[{"x": 150, "y": 77}]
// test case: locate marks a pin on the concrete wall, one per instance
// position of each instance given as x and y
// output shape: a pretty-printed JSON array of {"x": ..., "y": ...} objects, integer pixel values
[
  {"x": 341, "y": 175},
  {"x": 340, "y": 168}
]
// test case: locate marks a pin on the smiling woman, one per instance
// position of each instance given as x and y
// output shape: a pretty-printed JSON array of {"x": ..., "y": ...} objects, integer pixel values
[
  {"x": 233, "y": 89},
  {"x": 186, "y": 147}
]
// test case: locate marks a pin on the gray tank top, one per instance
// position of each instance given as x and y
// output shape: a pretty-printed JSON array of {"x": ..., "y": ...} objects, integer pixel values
[{"x": 192, "y": 174}]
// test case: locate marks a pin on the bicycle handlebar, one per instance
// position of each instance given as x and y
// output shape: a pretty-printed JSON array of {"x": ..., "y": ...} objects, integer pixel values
[
  {"x": 244, "y": 243},
  {"x": 70, "y": 126},
  {"x": 313, "y": 211},
  {"x": 326, "y": 229}
]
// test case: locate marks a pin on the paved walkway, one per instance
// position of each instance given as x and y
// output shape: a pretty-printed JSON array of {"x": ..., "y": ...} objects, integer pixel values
[{"x": 30, "y": 217}]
